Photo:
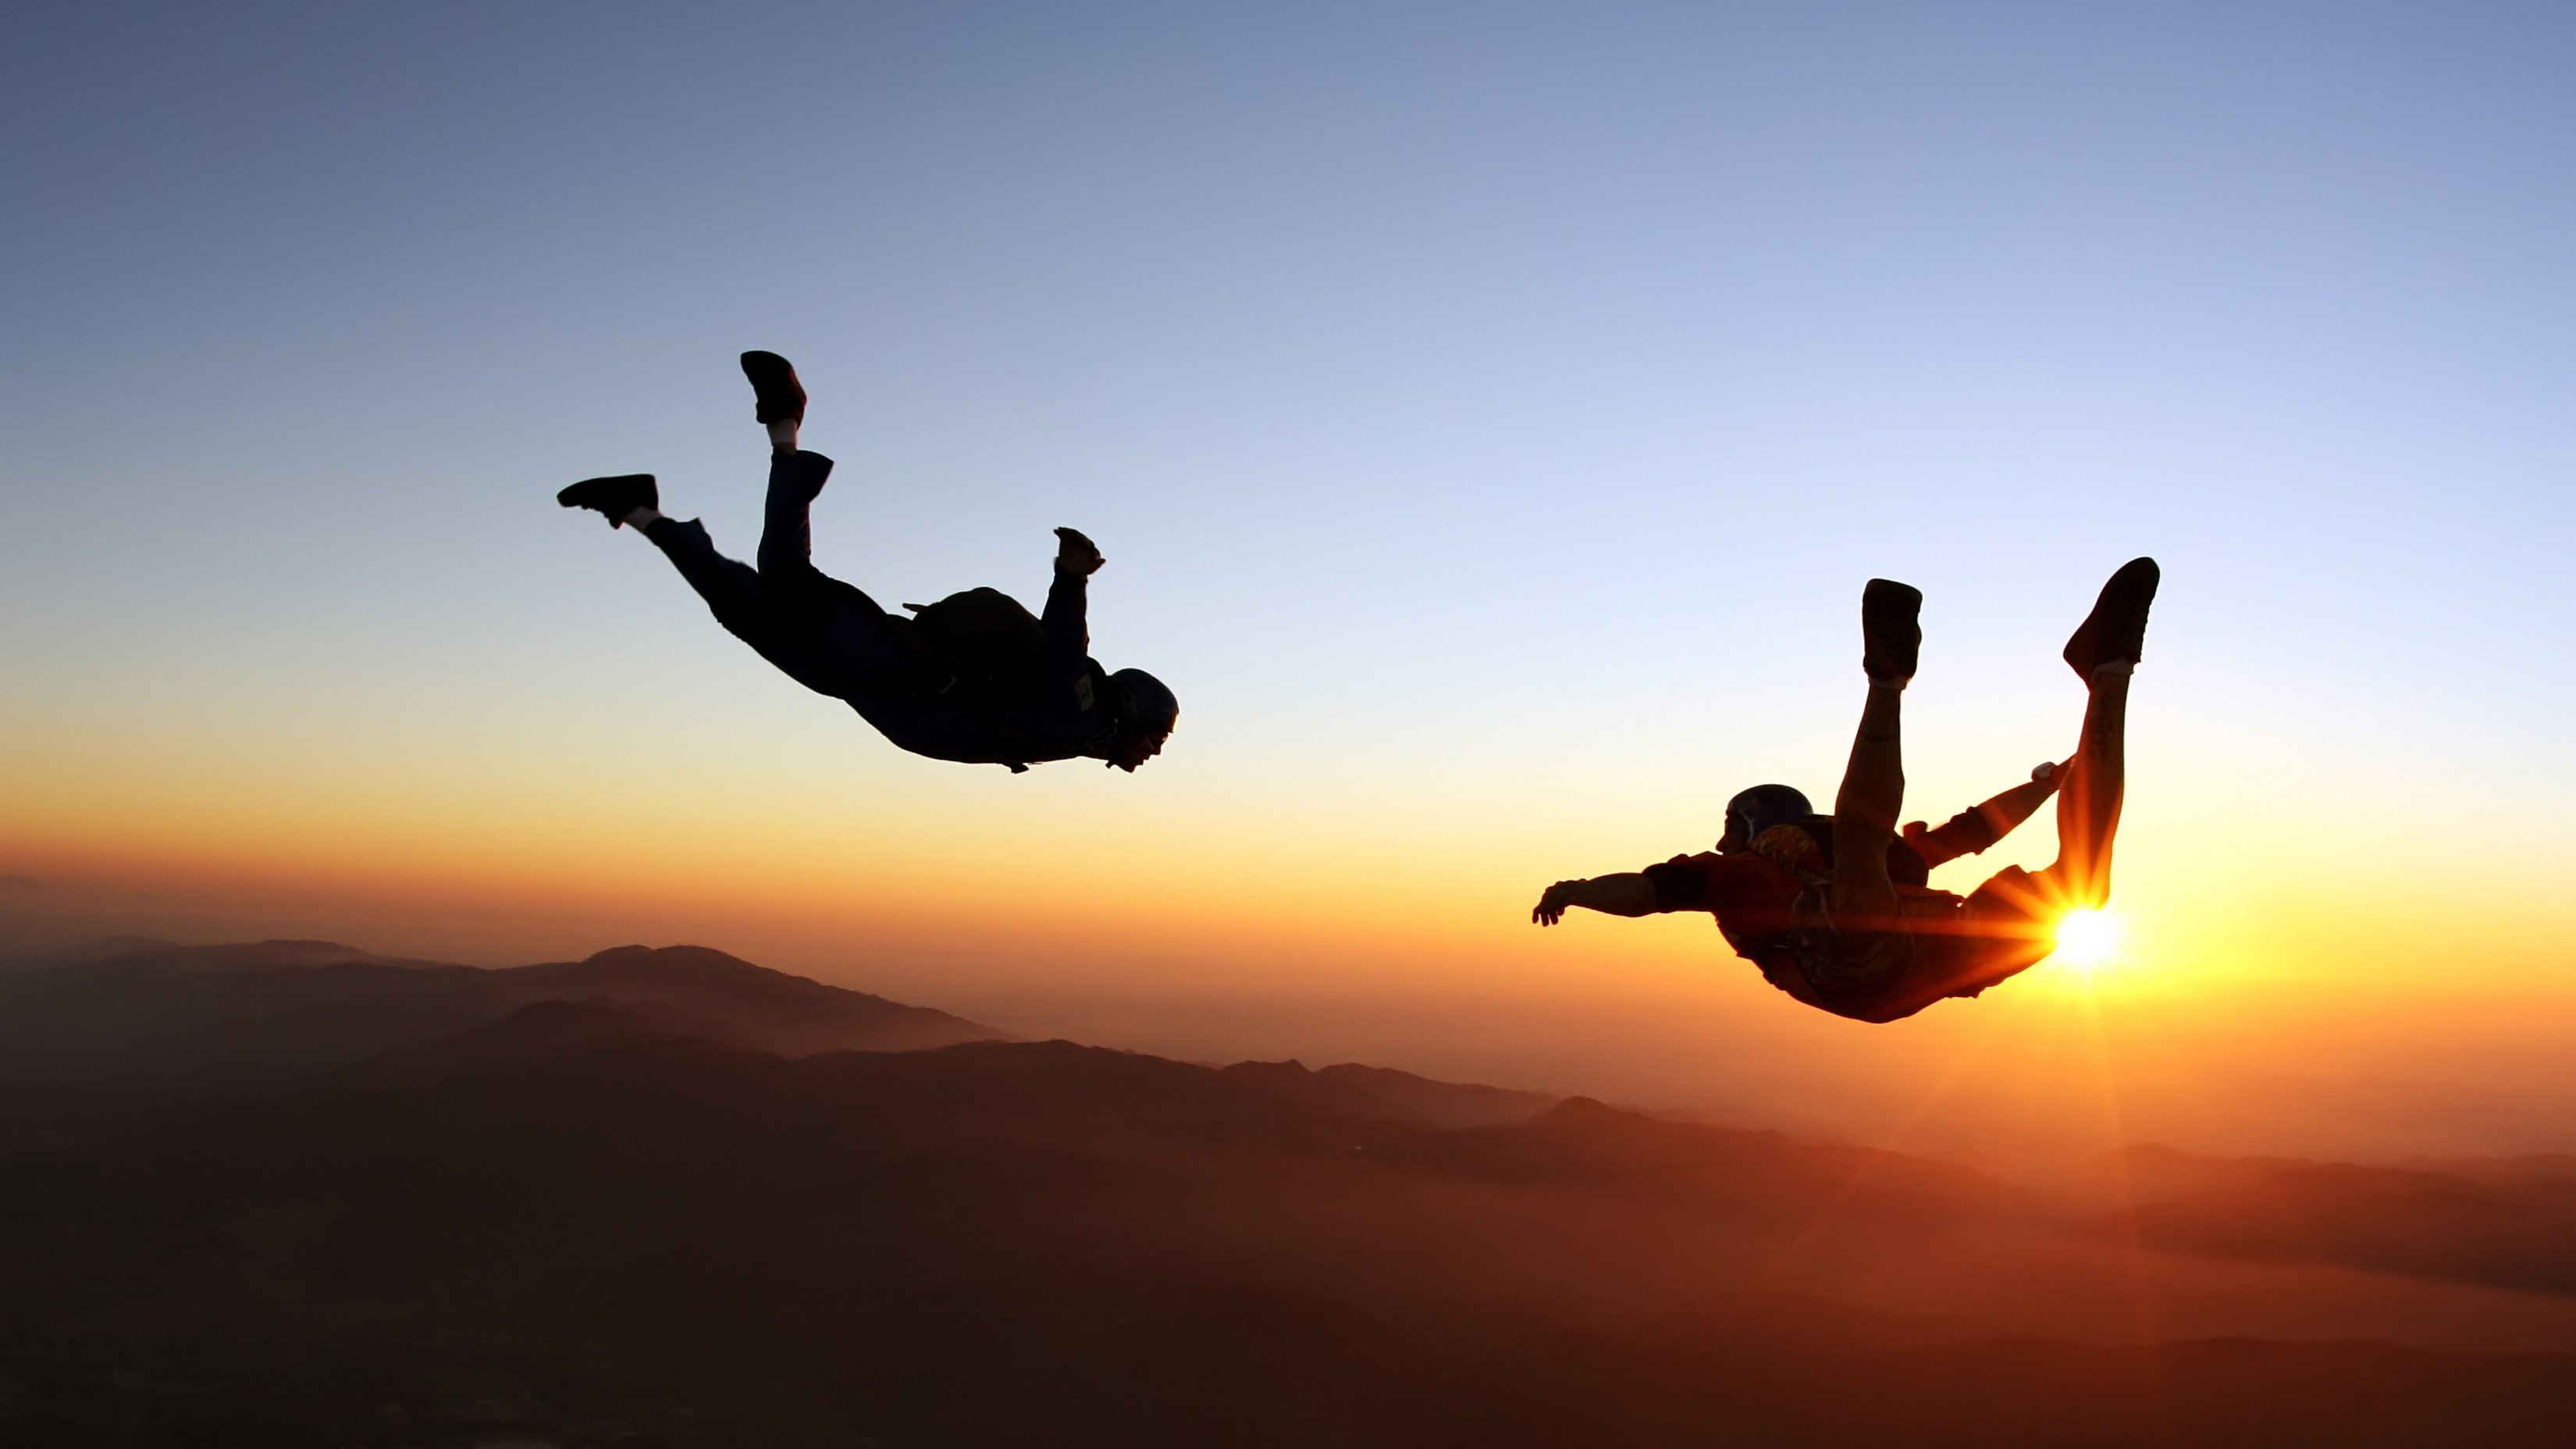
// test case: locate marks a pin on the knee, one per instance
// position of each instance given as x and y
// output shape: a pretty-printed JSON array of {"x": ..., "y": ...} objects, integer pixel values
[
  {"x": 789, "y": 578},
  {"x": 2073, "y": 886}
]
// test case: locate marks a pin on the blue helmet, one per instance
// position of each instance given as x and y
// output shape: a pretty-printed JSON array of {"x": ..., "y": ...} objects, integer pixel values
[
  {"x": 1753, "y": 811},
  {"x": 1150, "y": 703}
]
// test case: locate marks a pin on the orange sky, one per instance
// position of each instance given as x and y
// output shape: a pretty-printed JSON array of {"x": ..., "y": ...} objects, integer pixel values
[
  {"x": 1489, "y": 435},
  {"x": 2326, "y": 1008}
]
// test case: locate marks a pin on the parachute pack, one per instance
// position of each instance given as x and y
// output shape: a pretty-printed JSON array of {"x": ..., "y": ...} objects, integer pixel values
[{"x": 990, "y": 642}]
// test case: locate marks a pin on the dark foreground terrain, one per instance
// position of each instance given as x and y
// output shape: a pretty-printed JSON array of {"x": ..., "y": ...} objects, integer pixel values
[{"x": 626, "y": 1202}]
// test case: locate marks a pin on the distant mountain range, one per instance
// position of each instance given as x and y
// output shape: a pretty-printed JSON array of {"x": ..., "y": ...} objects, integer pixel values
[
  {"x": 2510, "y": 1222},
  {"x": 295, "y": 1194},
  {"x": 144, "y": 1014}
]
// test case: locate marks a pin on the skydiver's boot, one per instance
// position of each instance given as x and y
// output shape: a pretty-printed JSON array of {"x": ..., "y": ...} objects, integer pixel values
[
  {"x": 778, "y": 399},
  {"x": 1890, "y": 637},
  {"x": 2116, "y": 631},
  {"x": 616, "y": 499}
]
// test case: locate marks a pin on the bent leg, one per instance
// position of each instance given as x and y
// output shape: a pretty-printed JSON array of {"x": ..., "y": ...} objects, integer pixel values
[
  {"x": 2088, "y": 808},
  {"x": 786, "y": 524},
  {"x": 858, "y": 649},
  {"x": 1995, "y": 934},
  {"x": 1865, "y": 810},
  {"x": 732, "y": 589},
  {"x": 823, "y": 639}
]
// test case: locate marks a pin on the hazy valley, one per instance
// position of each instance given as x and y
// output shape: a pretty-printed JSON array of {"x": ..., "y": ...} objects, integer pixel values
[{"x": 294, "y": 1194}]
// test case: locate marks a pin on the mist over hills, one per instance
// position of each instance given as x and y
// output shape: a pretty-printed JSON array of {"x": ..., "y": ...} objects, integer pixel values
[
  {"x": 141, "y": 1015},
  {"x": 2506, "y": 1221},
  {"x": 596, "y": 1202}
]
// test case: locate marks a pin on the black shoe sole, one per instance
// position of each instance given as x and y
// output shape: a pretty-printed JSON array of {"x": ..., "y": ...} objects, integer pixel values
[
  {"x": 613, "y": 497},
  {"x": 777, "y": 397},
  {"x": 2116, "y": 631},
  {"x": 1891, "y": 639}
]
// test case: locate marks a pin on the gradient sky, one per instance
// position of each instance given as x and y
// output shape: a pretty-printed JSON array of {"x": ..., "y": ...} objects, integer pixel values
[{"x": 1489, "y": 413}]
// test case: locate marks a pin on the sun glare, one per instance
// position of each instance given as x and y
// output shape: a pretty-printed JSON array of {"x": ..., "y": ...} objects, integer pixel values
[{"x": 2087, "y": 940}]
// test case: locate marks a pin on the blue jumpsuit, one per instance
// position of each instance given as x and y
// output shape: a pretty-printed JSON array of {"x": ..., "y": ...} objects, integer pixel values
[{"x": 835, "y": 640}]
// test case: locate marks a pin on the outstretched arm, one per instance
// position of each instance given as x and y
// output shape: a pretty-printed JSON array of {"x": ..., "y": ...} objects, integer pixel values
[
  {"x": 1627, "y": 894},
  {"x": 1973, "y": 829}
]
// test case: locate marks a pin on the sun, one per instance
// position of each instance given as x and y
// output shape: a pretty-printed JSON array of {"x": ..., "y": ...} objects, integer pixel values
[{"x": 2087, "y": 940}]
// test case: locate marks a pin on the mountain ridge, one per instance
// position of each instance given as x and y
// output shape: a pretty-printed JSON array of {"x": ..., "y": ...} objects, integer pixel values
[
  {"x": 587, "y": 1223},
  {"x": 230, "y": 1017},
  {"x": 609, "y": 1215}
]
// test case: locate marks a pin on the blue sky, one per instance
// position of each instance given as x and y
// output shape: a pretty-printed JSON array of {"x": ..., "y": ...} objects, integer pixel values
[{"x": 1490, "y": 412}]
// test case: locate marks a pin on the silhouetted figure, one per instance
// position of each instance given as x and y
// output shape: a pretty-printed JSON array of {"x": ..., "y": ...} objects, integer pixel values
[
  {"x": 975, "y": 678},
  {"x": 1835, "y": 909}
]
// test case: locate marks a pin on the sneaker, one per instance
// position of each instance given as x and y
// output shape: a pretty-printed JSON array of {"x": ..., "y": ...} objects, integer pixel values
[
  {"x": 2116, "y": 631},
  {"x": 777, "y": 395},
  {"x": 1890, "y": 638},
  {"x": 615, "y": 497}
]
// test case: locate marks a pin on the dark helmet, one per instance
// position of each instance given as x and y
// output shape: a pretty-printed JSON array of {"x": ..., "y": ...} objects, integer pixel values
[
  {"x": 1150, "y": 705},
  {"x": 1753, "y": 811}
]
